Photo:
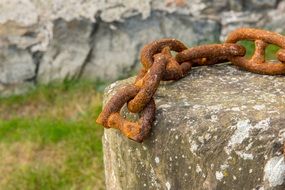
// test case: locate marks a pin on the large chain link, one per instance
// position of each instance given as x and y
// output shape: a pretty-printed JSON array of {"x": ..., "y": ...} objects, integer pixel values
[{"x": 159, "y": 65}]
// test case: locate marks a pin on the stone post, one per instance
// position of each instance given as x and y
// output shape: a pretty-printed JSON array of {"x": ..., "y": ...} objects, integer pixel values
[{"x": 219, "y": 128}]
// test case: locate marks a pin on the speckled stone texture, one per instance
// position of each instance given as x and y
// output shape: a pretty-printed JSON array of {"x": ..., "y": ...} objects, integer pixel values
[{"x": 218, "y": 128}]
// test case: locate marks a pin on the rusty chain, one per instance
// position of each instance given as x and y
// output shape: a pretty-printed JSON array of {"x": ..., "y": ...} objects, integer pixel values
[{"x": 160, "y": 65}]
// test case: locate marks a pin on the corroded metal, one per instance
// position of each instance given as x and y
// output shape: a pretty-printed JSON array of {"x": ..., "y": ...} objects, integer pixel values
[
  {"x": 174, "y": 70},
  {"x": 136, "y": 131},
  {"x": 159, "y": 64},
  {"x": 110, "y": 116},
  {"x": 157, "y": 46},
  {"x": 257, "y": 62},
  {"x": 150, "y": 83},
  {"x": 115, "y": 104},
  {"x": 164, "y": 67},
  {"x": 281, "y": 55},
  {"x": 210, "y": 54}
]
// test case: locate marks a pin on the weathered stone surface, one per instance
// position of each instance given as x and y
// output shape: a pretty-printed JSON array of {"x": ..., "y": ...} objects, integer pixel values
[
  {"x": 37, "y": 16},
  {"x": 232, "y": 20},
  {"x": 276, "y": 18},
  {"x": 260, "y": 4},
  {"x": 17, "y": 68},
  {"x": 218, "y": 128},
  {"x": 116, "y": 49},
  {"x": 236, "y": 5},
  {"x": 66, "y": 55}
]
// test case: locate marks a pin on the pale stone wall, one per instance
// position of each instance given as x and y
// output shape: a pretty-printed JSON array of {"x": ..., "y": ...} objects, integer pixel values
[{"x": 46, "y": 40}]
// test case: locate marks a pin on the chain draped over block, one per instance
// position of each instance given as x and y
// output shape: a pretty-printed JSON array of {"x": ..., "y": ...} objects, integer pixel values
[{"x": 160, "y": 65}]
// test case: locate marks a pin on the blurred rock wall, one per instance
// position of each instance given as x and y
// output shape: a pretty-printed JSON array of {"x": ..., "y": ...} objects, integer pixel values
[{"x": 52, "y": 40}]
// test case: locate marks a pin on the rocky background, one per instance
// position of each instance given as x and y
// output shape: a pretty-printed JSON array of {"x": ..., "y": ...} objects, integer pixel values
[{"x": 43, "y": 41}]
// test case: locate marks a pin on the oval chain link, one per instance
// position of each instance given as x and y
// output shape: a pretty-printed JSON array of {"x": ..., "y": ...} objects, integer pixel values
[{"x": 257, "y": 63}]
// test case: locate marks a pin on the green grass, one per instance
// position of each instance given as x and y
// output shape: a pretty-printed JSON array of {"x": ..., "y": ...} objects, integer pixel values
[{"x": 49, "y": 138}]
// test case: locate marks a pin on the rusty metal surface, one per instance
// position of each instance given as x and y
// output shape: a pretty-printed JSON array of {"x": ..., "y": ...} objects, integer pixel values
[
  {"x": 157, "y": 46},
  {"x": 210, "y": 52},
  {"x": 150, "y": 83},
  {"x": 257, "y": 62},
  {"x": 116, "y": 103},
  {"x": 110, "y": 116},
  {"x": 159, "y": 64}
]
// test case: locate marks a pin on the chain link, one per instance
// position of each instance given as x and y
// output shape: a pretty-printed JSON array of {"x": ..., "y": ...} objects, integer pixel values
[
  {"x": 257, "y": 63},
  {"x": 159, "y": 65}
]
